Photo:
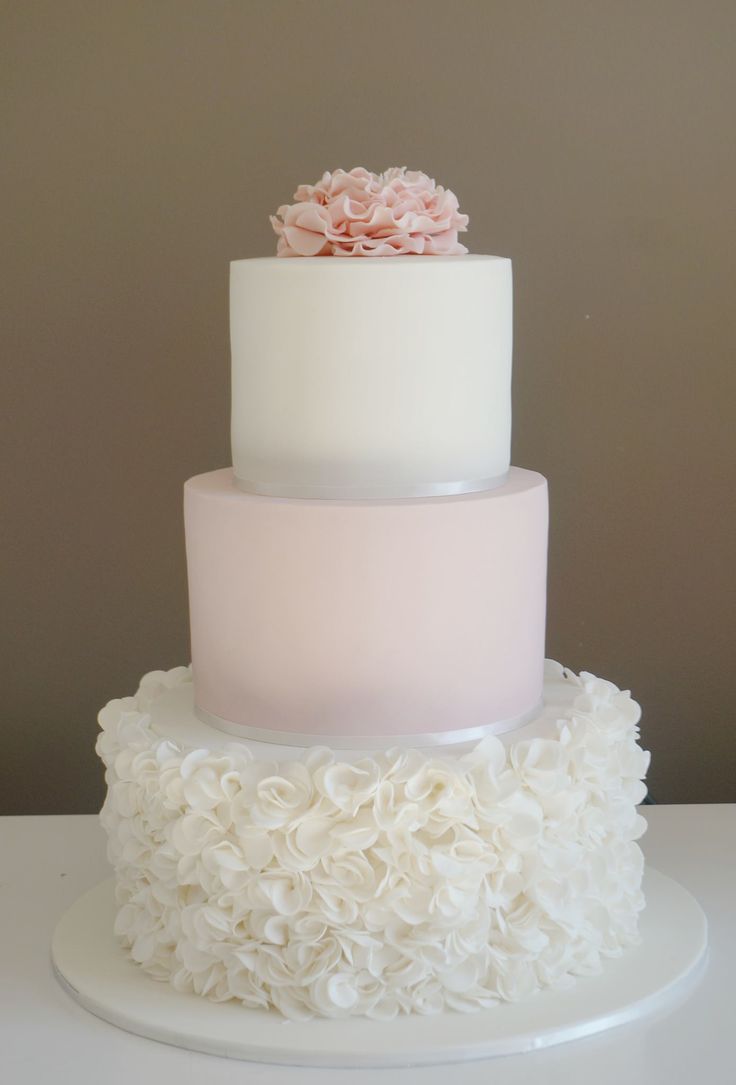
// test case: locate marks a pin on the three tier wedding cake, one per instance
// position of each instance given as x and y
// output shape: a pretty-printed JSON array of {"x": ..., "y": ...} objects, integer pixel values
[{"x": 370, "y": 794}]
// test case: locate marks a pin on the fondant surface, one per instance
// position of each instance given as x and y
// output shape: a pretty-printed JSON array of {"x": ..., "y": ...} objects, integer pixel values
[
  {"x": 350, "y": 620},
  {"x": 376, "y": 376}
]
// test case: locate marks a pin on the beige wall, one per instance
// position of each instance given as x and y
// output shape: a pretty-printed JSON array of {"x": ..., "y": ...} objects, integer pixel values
[{"x": 146, "y": 143}]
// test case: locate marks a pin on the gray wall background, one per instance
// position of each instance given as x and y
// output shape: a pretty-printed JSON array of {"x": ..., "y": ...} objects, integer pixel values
[{"x": 146, "y": 144}]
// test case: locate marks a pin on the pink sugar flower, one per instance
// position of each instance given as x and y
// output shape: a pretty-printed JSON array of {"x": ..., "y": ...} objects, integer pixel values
[{"x": 358, "y": 213}]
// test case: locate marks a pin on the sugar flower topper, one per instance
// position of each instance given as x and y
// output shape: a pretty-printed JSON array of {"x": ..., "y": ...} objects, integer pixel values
[{"x": 359, "y": 213}]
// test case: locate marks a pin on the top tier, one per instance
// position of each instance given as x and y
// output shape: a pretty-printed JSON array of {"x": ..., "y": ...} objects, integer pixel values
[{"x": 380, "y": 377}]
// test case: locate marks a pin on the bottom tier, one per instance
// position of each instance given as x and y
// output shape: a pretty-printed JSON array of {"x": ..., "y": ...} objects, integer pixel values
[{"x": 405, "y": 881}]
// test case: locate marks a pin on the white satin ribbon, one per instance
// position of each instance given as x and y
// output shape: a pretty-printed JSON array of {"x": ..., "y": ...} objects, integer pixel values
[
  {"x": 370, "y": 742},
  {"x": 367, "y": 493}
]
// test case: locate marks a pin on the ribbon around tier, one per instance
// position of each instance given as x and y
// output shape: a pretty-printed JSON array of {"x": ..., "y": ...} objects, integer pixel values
[
  {"x": 369, "y": 492},
  {"x": 370, "y": 742}
]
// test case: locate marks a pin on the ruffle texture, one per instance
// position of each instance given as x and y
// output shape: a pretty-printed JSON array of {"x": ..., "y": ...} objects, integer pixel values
[
  {"x": 393, "y": 883},
  {"x": 357, "y": 213}
]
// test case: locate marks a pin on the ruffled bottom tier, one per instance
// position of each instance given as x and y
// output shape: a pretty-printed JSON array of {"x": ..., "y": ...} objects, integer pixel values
[{"x": 411, "y": 880}]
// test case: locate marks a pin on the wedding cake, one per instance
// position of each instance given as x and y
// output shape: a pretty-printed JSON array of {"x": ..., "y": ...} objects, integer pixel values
[{"x": 370, "y": 794}]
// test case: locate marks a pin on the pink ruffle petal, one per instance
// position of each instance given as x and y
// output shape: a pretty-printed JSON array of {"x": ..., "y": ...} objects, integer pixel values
[{"x": 304, "y": 242}]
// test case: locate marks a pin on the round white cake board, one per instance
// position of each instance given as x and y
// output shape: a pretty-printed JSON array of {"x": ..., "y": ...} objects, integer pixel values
[{"x": 646, "y": 978}]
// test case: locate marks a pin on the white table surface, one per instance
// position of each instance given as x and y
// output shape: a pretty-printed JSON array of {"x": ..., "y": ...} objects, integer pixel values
[{"x": 47, "y": 862}]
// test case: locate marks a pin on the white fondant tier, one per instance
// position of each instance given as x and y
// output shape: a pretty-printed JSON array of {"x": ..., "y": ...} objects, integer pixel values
[
  {"x": 404, "y": 881},
  {"x": 371, "y": 377},
  {"x": 361, "y": 622}
]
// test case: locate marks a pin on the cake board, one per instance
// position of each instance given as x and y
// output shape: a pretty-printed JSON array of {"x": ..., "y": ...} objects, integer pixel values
[{"x": 646, "y": 979}]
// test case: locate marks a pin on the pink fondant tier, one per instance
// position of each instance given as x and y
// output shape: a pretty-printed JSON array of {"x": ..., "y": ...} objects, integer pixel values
[{"x": 353, "y": 622}]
